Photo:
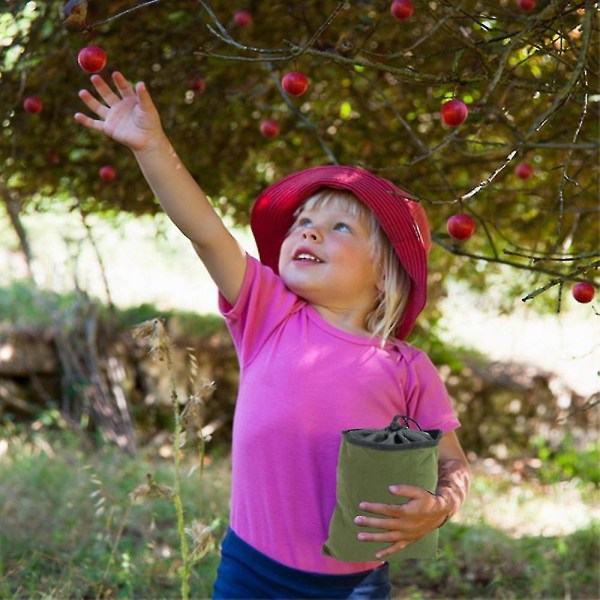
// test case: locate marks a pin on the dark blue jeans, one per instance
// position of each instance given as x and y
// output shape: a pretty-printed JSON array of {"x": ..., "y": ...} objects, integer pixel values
[{"x": 246, "y": 573}]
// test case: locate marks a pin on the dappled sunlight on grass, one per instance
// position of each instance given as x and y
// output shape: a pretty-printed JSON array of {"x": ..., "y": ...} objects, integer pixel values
[
  {"x": 65, "y": 502},
  {"x": 525, "y": 507},
  {"x": 566, "y": 344}
]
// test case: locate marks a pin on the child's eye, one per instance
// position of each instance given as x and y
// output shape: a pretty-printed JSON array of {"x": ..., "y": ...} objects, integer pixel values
[
  {"x": 342, "y": 227},
  {"x": 304, "y": 222}
]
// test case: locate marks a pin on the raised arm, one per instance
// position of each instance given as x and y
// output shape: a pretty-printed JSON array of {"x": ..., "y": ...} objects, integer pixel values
[{"x": 129, "y": 116}]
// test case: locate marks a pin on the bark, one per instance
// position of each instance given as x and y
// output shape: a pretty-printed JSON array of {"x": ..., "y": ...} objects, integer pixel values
[{"x": 14, "y": 215}]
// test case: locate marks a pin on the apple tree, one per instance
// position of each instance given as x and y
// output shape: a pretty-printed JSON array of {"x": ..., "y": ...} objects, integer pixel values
[{"x": 488, "y": 110}]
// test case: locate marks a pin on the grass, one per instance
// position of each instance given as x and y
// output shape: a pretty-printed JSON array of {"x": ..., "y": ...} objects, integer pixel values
[
  {"x": 23, "y": 303},
  {"x": 69, "y": 530}
]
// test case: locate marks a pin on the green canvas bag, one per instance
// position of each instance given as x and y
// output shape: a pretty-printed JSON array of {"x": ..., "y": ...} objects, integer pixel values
[{"x": 370, "y": 460}]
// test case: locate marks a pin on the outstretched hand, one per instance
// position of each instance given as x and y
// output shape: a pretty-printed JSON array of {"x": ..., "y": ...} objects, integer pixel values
[
  {"x": 126, "y": 115},
  {"x": 402, "y": 524}
]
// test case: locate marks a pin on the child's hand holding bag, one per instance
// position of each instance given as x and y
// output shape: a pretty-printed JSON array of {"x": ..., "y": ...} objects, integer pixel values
[{"x": 371, "y": 460}]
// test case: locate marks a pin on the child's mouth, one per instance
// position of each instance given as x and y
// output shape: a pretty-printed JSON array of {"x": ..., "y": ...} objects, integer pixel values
[{"x": 307, "y": 256}]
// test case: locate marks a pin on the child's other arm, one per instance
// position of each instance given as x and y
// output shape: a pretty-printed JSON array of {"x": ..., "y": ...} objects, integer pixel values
[
  {"x": 130, "y": 117},
  {"x": 454, "y": 474}
]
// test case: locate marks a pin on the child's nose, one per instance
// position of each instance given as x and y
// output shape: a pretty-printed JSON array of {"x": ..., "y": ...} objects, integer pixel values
[{"x": 311, "y": 234}]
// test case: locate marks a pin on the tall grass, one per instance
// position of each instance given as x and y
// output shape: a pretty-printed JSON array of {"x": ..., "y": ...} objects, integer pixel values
[{"x": 68, "y": 528}]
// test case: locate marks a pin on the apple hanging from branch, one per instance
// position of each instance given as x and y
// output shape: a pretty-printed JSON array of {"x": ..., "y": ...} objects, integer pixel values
[
  {"x": 107, "y": 173},
  {"x": 242, "y": 18},
  {"x": 526, "y": 5},
  {"x": 461, "y": 226},
  {"x": 295, "y": 83},
  {"x": 402, "y": 9},
  {"x": 270, "y": 128},
  {"x": 198, "y": 85},
  {"x": 92, "y": 59},
  {"x": 454, "y": 112},
  {"x": 524, "y": 171},
  {"x": 583, "y": 292},
  {"x": 33, "y": 104}
]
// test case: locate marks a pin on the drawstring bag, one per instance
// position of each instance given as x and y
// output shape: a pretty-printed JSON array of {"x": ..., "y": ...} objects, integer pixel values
[{"x": 370, "y": 460}]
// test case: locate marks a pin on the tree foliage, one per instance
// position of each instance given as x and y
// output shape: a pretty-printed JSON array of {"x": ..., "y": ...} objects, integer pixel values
[{"x": 530, "y": 80}]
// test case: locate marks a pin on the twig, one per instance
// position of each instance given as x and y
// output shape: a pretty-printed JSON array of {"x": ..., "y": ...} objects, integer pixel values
[
  {"x": 225, "y": 36},
  {"x": 453, "y": 249},
  {"x": 553, "y": 258},
  {"x": 489, "y": 179},
  {"x": 570, "y": 83},
  {"x": 122, "y": 13},
  {"x": 96, "y": 250},
  {"x": 560, "y": 280},
  {"x": 561, "y": 190},
  {"x": 590, "y": 403}
]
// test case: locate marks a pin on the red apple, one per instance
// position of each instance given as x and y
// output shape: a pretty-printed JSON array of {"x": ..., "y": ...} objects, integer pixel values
[
  {"x": 198, "y": 84},
  {"x": 33, "y": 104},
  {"x": 454, "y": 112},
  {"x": 524, "y": 170},
  {"x": 526, "y": 5},
  {"x": 107, "y": 173},
  {"x": 242, "y": 18},
  {"x": 461, "y": 226},
  {"x": 295, "y": 83},
  {"x": 402, "y": 9},
  {"x": 92, "y": 59},
  {"x": 53, "y": 158},
  {"x": 270, "y": 128},
  {"x": 583, "y": 292}
]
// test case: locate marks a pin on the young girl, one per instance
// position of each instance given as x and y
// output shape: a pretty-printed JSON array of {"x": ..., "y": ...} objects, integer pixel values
[{"x": 318, "y": 326}]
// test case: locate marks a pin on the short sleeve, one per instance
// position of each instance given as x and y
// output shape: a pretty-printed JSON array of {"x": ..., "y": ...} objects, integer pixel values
[
  {"x": 263, "y": 303},
  {"x": 427, "y": 398}
]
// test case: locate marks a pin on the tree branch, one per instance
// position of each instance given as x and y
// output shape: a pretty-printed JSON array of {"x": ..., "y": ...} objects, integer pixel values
[{"x": 454, "y": 249}]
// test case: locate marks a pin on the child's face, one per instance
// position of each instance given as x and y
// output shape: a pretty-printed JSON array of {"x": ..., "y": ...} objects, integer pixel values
[{"x": 327, "y": 260}]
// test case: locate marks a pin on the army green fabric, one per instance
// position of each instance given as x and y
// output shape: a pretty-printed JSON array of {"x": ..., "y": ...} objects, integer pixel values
[{"x": 369, "y": 462}]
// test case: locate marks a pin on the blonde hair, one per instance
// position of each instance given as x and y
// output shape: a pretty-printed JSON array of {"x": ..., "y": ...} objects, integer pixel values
[{"x": 394, "y": 288}]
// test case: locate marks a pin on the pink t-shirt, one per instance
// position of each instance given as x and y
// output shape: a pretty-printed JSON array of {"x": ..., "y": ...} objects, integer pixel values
[{"x": 302, "y": 382}]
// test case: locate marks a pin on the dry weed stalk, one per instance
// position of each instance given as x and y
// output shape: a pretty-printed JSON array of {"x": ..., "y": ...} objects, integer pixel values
[
  {"x": 188, "y": 428},
  {"x": 202, "y": 539},
  {"x": 150, "y": 489},
  {"x": 192, "y": 415}
]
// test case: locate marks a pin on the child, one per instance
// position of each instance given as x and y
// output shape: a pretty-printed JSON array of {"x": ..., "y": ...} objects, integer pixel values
[{"x": 318, "y": 326}]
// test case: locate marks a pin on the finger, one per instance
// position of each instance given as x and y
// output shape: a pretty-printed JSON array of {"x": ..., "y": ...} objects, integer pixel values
[
  {"x": 387, "y": 510},
  {"x": 407, "y": 491},
  {"x": 144, "y": 97},
  {"x": 388, "y": 524},
  {"x": 391, "y": 549},
  {"x": 389, "y": 537},
  {"x": 105, "y": 91},
  {"x": 89, "y": 122},
  {"x": 122, "y": 85},
  {"x": 93, "y": 104}
]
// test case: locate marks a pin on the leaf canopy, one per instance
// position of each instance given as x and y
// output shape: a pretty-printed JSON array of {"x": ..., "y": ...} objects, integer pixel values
[{"x": 529, "y": 79}]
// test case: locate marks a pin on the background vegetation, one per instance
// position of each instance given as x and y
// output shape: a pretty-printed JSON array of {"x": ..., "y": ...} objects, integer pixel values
[
  {"x": 69, "y": 530},
  {"x": 377, "y": 85},
  {"x": 68, "y": 526}
]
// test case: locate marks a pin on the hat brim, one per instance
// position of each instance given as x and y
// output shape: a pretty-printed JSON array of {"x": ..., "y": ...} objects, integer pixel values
[{"x": 402, "y": 219}]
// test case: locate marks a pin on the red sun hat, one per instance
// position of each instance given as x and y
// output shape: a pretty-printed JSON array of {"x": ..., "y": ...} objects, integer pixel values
[{"x": 402, "y": 219}]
